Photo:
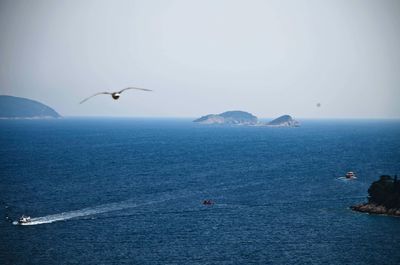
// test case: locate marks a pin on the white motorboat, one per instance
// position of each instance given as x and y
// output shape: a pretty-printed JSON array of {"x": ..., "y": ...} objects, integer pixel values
[
  {"x": 24, "y": 219},
  {"x": 350, "y": 175}
]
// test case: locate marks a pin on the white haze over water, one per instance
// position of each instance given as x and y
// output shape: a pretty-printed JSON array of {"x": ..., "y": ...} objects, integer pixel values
[{"x": 266, "y": 57}]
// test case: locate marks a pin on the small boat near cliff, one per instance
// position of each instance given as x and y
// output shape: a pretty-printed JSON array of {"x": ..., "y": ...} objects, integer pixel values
[{"x": 350, "y": 175}]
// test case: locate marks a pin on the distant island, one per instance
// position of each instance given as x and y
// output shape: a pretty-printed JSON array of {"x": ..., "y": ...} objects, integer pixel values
[
  {"x": 23, "y": 108},
  {"x": 238, "y": 117},
  {"x": 230, "y": 117},
  {"x": 384, "y": 197}
]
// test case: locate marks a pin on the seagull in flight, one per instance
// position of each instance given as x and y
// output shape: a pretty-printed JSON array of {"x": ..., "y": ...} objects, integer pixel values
[{"x": 115, "y": 95}]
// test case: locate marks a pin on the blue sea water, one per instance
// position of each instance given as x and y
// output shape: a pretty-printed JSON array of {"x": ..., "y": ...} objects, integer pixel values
[{"x": 129, "y": 191}]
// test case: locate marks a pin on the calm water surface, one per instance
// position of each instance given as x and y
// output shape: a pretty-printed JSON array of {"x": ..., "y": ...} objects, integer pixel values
[{"x": 129, "y": 191}]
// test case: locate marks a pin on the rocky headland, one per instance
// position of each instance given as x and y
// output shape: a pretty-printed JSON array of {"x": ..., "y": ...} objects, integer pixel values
[
  {"x": 23, "y": 108},
  {"x": 373, "y": 208},
  {"x": 284, "y": 121},
  {"x": 238, "y": 117},
  {"x": 383, "y": 197}
]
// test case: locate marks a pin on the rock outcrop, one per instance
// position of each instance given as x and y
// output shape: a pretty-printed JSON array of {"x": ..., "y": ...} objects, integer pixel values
[
  {"x": 375, "y": 209},
  {"x": 284, "y": 121},
  {"x": 230, "y": 117},
  {"x": 245, "y": 118},
  {"x": 384, "y": 197}
]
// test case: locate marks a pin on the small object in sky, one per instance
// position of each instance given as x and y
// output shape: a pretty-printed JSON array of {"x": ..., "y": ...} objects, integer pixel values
[
  {"x": 318, "y": 105},
  {"x": 115, "y": 95}
]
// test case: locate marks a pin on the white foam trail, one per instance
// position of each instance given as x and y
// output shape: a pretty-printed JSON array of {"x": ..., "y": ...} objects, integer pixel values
[
  {"x": 346, "y": 179},
  {"x": 69, "y": 215},
  {"x": 86, "y": 212},
  {"x": 117, "y": 206}
]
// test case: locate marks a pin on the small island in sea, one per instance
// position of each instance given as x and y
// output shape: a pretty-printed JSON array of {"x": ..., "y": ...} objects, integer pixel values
[
  {"x": 238, "y": 117},
  {"x": 384, "y": 197},
  {"x": 23, "y": 108}
]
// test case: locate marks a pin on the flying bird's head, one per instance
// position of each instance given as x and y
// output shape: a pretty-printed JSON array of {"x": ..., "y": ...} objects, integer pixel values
[{"x": 115, "y": 95}]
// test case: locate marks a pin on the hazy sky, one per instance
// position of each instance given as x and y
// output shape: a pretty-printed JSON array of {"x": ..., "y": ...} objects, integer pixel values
[{"x": 207, "y": 56}]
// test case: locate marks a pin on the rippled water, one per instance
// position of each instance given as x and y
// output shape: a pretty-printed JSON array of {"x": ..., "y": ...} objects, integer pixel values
[{"x": 114, "y": 191}]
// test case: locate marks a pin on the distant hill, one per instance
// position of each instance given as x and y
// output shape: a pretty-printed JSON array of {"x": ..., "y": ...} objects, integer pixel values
[
  {"x": 284, "y": 121},
  {"x": 230, "y": 117},
  {"x": 238, "y": 117},
  {"x": 23, "y": 108}
]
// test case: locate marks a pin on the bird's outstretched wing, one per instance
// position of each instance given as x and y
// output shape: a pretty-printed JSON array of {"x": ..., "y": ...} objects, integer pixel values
[
  {"x": 137, "y": 88},
  {"x": 100, "y": 93}
]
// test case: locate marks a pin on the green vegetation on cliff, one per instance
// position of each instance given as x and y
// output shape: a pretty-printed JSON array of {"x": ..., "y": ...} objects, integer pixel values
[{"x": 385, "y": 192}]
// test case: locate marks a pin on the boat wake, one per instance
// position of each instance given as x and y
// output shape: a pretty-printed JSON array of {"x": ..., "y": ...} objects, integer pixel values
[
  {"x": 346, "y": 179},
  {"x": 84, "y": 212},
  {"x": 117, "y": 206}
]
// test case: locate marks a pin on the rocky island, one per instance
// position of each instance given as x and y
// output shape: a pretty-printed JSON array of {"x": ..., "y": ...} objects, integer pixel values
[
  {"x": 230, "y": 117},
  {"x": 23, "y": 108},
  {"x": 284, "y": 121},
  {"x": 384, "y": 197},
  {"x": 238, "y": 117}
]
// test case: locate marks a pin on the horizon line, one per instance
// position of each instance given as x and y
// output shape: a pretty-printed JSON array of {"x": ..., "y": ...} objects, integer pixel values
[{"x": 195, "y": 117}]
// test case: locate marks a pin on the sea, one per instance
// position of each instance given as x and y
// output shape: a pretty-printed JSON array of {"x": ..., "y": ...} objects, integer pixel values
[{"x": 131, "y": 191}]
